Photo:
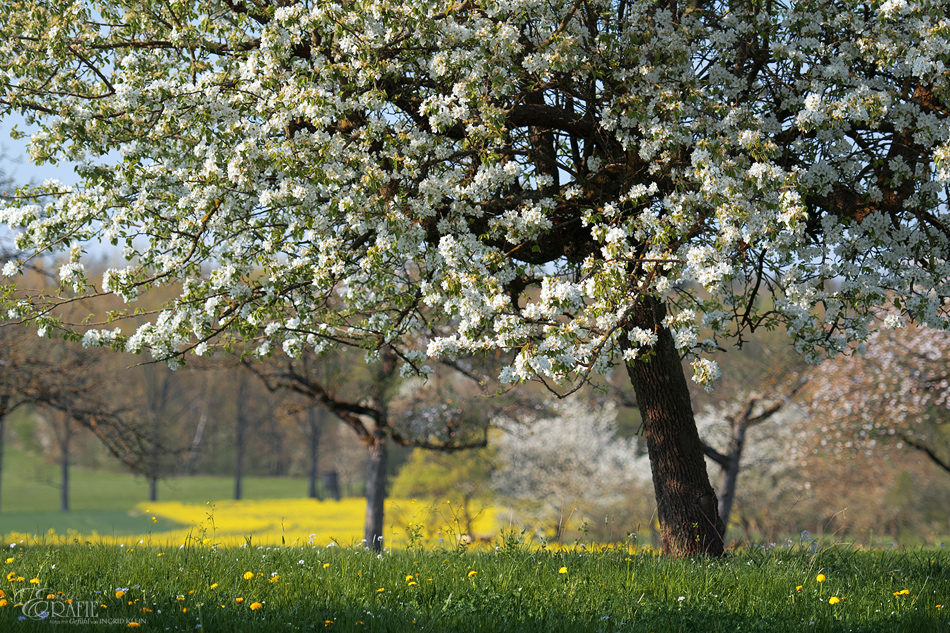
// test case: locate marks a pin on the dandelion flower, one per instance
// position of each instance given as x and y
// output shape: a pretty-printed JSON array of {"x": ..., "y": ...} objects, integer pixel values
[
  {"x": 239, "y": 600},
  {"x": 11, "y": 576},
  {"x": 562, "y": 570},
  {"x": 3, "y": 602},
  {"x": 134, "y": 625},
  {"x": 119, "y": 593},
  {"x": 34, "y": 581},
  {"x": 248, "y": 575},
  {"x": 798, "y": 588},
  {"x": 820, "y": 578},
  {"x": 380, "y": 590},
  {"x": 412, "y": 583},
  {"x": 255, "y": 606},
  {"x": 902, "y": 592},
  {"x": 833, "y": 600},
  {"x": 325, "y": 565},
  {"x": 9, "y": 560},
  {"x": 409, "y": 577},
  {"x": 213, "y": 585}
]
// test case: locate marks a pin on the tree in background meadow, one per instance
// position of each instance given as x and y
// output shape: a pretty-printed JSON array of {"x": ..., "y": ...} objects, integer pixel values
[
  {"x": 578, "y": 184},
  {"x": 892, "y": 394},
  {"x": 566, "y": 465}
]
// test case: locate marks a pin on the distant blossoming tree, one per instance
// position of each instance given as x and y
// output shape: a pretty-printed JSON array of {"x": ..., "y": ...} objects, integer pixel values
[
  {"x": 894, "y": 394},
  {"x": 579, "y": 183},
  {"x": 570, "y": 461}
]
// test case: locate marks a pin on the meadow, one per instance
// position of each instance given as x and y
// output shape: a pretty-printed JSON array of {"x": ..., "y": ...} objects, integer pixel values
[
  {"x": 511, "y": 587},
  {"x": 107, "y": 508},
  {"x": 289, "y": 564}
]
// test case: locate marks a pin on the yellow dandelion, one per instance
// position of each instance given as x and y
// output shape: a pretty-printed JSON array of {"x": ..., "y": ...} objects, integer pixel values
[
  {"x": 134, "y": 625},
  {"x": 273, "y": 579},
  {"x": 472, "y": 573},
  {"x": 902, "y": 592},
  {"x": 833, "y": 600},
  {"x": 184, "y": 609},
  {"x": 248, "y": 575},
  {"x": 9, "y": 560},
  {"x": 34, "y": 581},
  {"x": 3, "y": 602},
  {"x": 19, "y": 579},
  {"x": 255, "y": 606},
  {"x": 50, "y": 596},
  {"x": 409, "y": 577},
  {"x": 2, "y": 595},
  {"x": 181, "y": 598},
  {"x": 239, "y": 600},
  {"x": 820, "y": 578},
  {"x": 329, "y": 622},
  {"x": 381, "y": 590},
  {"x": 11, "y": 576},
  {"x": 412, "y": 583},
  {"x": 161, "y": 553},
  {"x": 213, "y": 585},
  {"x": 119, "y": 593},
  {"x": 325, "y": 565},
  {"x": 562, "y": 570},
  {"x": 798, "y": 588}
]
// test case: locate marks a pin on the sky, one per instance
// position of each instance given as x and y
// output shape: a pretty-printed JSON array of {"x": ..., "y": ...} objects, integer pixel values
[{"x": 15, "y": 161}]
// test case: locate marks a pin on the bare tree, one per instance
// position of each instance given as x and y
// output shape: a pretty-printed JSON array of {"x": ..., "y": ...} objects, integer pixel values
[{"x": 369, "y": 415}]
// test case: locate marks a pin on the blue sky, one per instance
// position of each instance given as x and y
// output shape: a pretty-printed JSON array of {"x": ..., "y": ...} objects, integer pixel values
[{"x": 15, "y": 161}]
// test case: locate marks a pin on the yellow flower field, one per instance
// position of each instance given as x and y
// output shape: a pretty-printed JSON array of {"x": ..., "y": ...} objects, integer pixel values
[{"x": 290, "y": 522}]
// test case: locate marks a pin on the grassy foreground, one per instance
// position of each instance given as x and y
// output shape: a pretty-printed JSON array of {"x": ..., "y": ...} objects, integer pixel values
[{"x": 801, "y": 587}]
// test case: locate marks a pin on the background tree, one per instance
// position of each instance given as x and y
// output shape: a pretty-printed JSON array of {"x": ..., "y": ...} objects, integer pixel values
[
  {"x": 570, "y": 464},
  {"x": 370, "y": 416},
  {"x": 892, "y": 394},
  {"x": 462, "y": 477},
  {"x": 541, "y": 178}
]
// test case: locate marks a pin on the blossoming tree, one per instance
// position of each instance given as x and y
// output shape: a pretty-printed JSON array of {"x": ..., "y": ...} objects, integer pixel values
[
  {"x": 569, "y": 464},
  {"x": 895, "y": 394},
  {"x": 582, "y": 182}
]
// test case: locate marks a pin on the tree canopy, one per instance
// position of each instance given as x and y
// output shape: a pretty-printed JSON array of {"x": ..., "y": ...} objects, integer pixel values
[{"x": 570, "y": 180}]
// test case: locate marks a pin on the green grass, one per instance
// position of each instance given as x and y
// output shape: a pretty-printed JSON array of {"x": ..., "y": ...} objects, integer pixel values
[{"x": 512, "y": 589}]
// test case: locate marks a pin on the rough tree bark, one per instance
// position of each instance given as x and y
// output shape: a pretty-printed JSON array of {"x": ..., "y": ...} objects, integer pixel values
[{"x": 686, "y": 502}]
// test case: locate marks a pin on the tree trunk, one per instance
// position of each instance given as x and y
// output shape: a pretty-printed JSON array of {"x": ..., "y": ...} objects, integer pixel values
[
  {"x": 686, "y": 502},
  {"x": 4, "y": 407},
  {"x": 64, "y": 466},
  {"x": 375, "y": 491},
  {"x": 240, "y": 437},
  {"x": 313, "y": 436},
  {"x": 730, "y": 474},
  {"x": 153, "y": 488}
]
